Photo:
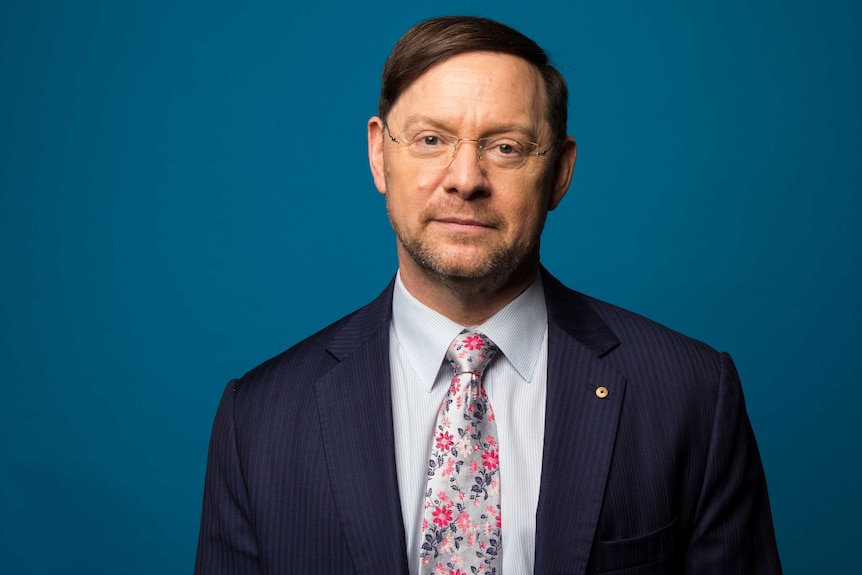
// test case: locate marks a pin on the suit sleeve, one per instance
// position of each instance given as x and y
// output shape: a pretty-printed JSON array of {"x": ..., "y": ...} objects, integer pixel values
[
  {"x": 733, "y": 532},
  {"x": 227, "y": 543}
]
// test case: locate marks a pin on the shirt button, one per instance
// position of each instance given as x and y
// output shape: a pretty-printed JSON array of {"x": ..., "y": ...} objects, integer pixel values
[{"x": 601, "y": 392}]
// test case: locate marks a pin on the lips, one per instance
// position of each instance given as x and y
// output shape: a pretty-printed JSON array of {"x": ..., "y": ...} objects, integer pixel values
[{"x": 462, "y": 221}]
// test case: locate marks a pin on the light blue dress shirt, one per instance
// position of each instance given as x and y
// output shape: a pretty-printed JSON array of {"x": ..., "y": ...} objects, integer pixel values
[{"x": 516, "y": 384}]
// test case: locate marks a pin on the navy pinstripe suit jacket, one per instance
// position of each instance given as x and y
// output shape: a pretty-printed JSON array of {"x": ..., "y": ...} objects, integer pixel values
[{"x": 661, "y": 476}]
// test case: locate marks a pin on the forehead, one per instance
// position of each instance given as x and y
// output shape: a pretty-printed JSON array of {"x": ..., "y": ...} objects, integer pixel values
[{"x": 477, "y": 90}]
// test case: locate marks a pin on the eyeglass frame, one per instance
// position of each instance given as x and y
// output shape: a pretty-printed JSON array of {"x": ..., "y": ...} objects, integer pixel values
[{"x": 479, "y": 146}]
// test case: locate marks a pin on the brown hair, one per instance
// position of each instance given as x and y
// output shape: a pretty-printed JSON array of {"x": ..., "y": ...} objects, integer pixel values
[{"x": 430, "y": 42}]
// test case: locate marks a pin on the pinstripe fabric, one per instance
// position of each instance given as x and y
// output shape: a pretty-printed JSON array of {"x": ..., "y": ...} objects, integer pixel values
[
  {"x": 662, "y": 475},
  {"x": 292, "y": 461}
]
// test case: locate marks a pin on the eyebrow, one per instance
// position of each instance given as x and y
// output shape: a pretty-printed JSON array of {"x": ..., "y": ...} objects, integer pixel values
[{"x": 434, "y": 124}]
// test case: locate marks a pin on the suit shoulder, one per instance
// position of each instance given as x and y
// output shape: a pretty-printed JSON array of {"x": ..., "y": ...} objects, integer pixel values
[
  {"x": 648, "y": 350},
  {"x": 634, "y": 328},
  {"x": 308, "y": 359},
  {"x": 659, "y": 362},
  {"x": 304, "y": 355}
]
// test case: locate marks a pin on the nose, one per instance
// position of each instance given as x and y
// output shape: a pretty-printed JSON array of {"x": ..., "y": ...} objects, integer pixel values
[
  {"x": 465, "y": 174},
  {"x": 473, "y": 140}
]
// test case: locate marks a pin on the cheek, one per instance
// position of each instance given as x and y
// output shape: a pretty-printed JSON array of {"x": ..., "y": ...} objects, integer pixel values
[
  {"x": 402, "y": 178},
  {"x": 526, "y": 217},
  {"x": 408, "y": 187},
  {"x": 524, "y": 207},
  {"x": 406, "y": 199}
]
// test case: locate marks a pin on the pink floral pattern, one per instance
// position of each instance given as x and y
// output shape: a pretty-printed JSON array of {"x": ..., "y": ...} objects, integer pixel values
[{"x": 461, "y": 523}]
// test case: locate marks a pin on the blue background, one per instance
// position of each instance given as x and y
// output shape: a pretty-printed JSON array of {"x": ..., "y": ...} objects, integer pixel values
[{"x": 185, "y": 193}]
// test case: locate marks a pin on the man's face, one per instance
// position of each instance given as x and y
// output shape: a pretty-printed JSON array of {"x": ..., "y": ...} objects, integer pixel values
[{"x": 465, "y": 219}]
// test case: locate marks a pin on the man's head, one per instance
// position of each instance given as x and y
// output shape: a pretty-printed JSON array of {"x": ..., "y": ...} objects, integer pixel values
[
  {"x": 433, "y": 41},
  {"x": 470, "y": 153}
]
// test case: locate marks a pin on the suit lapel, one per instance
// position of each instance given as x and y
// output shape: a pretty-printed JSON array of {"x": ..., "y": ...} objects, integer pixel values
[
  {"x": 355, "y": 407},
  {"x": 580, "y": 430}
]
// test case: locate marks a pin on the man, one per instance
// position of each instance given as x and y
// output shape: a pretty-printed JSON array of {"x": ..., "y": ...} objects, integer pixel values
[{"x": 571, "y": 437}]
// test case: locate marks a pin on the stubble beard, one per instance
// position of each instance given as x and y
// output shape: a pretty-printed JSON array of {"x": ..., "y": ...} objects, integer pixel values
[{"x": 500, "y": 264}]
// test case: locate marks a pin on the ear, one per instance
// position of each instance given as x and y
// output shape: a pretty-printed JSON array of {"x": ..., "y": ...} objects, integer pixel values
[
  {"x": 563, "y": 168},
  {"x": 375, "y": 153}
]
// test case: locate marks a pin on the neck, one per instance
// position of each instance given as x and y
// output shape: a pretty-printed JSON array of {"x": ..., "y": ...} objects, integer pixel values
[{"x": 466, "y": 302}]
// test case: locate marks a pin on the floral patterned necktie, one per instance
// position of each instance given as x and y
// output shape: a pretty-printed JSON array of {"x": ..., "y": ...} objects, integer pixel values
[{"x": 461, "y": 519}]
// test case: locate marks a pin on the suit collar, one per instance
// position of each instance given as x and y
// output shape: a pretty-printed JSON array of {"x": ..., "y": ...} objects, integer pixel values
[
  {"x": 574, "y": 314},
  {"x": 365, "y": 321},
  {"x": 568, "y": 309}
]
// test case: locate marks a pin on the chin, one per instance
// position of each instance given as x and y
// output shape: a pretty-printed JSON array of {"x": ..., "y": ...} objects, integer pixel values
[{"x": 480, "y": 272}]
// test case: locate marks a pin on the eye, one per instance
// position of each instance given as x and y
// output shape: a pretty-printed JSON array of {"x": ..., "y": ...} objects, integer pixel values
[
  {"x": 509, "y": 148},
  {"x": 426, "y": 142}
]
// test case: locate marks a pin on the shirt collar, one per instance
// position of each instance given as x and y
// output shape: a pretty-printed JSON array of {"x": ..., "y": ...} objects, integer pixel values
[{"x": 424, "y": 335}]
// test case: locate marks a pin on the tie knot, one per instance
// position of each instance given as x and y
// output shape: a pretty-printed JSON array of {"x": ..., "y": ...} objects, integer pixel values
[{"x": 471, "y": 352}]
